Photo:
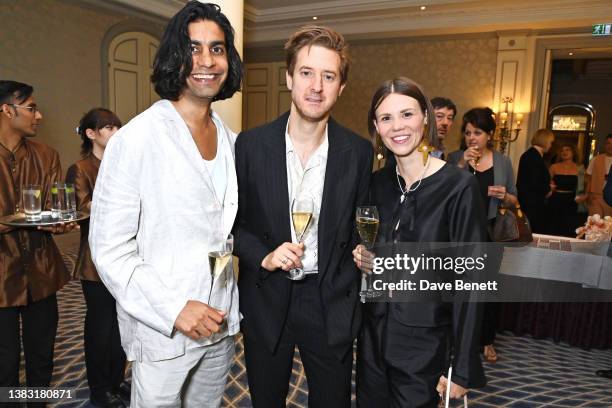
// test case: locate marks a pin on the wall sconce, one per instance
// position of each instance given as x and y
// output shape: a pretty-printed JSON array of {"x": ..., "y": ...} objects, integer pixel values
[{"x": 508, "y": 126}]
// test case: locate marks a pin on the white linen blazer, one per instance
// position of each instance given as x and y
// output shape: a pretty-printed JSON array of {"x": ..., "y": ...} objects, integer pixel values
[{"x": 153, "y": 220}]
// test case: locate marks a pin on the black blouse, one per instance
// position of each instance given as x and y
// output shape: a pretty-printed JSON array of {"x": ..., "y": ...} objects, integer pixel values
[
  {"x": 446, "y": 207},
  {"x": 485, "y": 179}
]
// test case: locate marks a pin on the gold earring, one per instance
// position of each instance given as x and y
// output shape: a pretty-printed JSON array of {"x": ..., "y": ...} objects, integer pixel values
[
  {"x": 379, "y": 148},
  {"x": 425, "y": 149}
]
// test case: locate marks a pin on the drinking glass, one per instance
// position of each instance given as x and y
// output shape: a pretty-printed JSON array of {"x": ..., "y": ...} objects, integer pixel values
[
  {"x": 219, "y": 260},
  {"x": 302, "y": 209},
  {"x": 70, "y": 211},
  {"x": 367, "y": 225},
  {"x": 31, "y": 201},
  {"x": 58, "y": 199}
]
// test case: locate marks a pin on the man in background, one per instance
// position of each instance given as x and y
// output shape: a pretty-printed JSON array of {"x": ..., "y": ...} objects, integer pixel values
[
  {"x": 597, "y": 176},
  {"x": 445, "y": 112},
  {"x": 31, "y": 266}
]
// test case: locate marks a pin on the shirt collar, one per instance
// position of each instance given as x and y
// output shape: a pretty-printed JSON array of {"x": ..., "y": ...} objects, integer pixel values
[{"x": 321, "y": 151}]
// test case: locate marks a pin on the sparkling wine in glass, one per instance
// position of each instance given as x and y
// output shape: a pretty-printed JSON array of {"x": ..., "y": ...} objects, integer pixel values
[
  {"x": 367, "y": 225},
  {"x": 218, "y": 260},
  {"x": 302, "y": 210}
]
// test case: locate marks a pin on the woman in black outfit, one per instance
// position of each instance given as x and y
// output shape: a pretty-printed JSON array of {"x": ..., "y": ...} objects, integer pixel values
[
  {"x": 495, "y": 178},
  {"x": 563, "y": 203},
  {"x": 533, "y": 181},
  {"x": 403, "y": 347}
]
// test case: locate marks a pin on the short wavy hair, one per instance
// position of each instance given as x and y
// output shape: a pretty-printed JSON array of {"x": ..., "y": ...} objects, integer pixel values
[
  {"x": 310, "y": 35},
  {"x": 173, "y": 60},
  {"x": 481, "y": 118}
]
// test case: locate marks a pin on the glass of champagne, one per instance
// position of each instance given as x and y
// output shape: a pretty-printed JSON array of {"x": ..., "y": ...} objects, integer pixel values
[
  {"x": 477, "y": 159},
  {"x": 218, "y": 260},
  {"x": 367, "y": 225},
  {"x": 302, "y": 209}
]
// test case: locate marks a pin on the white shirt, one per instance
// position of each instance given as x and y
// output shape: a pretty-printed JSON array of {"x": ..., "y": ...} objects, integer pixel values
[
  {"x": 217, "y": 169},
  {"x": 153, "y": 221},
  {"x": 589, "y": 170},
  {"x": 307, "y": 180}
]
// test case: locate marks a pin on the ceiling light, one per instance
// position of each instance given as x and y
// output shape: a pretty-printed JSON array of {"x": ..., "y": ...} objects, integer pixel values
[
  {"x": 570, "y": 54},
  {"x": 315, "y": 18},
  {"x": 423, "y": 8}
]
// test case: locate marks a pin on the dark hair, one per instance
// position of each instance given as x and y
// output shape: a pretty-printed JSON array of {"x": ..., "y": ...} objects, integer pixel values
[
  {"x": 13, "y": 91},
  {"x": 310, "y": 35},
  {"x": 95, "y": 119},
  {"x": 407, "y": 87},
  {"x": 481, "y": 118},
  {"x": 439, "y": 102},
  {"x": 173, "y": 60}
]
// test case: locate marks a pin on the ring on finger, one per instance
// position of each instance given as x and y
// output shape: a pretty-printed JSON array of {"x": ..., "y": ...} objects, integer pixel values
[{"x": 284, "y": 261}]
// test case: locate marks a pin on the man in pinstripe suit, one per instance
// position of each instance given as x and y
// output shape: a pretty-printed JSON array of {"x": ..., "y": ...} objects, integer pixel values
[{"x": 304, "y": 150}]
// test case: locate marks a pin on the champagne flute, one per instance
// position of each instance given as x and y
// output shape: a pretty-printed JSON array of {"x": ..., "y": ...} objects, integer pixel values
[
  {"x": 218, "y": 260},
  {"x": 302, "y": 209},
  {"x": 367, "y": 225}
]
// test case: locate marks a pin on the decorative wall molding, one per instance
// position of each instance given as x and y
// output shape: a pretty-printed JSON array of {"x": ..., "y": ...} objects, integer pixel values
[{"x": 393, "y": 19}]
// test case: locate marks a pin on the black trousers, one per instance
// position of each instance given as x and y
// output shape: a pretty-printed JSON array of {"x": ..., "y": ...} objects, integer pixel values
[
  {"x": 398, "y": 365},
  {"x": 490, "y": 321},
  {"x": 329, "y": 378},
  {"x": 39, "y": 328},
  {"x": 104, "y": 356}
]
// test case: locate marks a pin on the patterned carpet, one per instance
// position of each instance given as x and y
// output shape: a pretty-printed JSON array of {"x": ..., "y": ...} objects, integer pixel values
[{"x": 530, "y": 373}]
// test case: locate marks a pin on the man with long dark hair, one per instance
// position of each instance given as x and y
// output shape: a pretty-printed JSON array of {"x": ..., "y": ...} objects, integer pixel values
[
  {"x": 31, "y": 266},
  {"x": 165, "y": 196}
]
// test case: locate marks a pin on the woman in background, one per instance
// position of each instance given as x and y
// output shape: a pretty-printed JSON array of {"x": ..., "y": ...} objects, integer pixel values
[
  {"x": 533, "y": 181},
  {"x": 104, "y": 357},
  {"x": 403, "y": 347},
  {"x": 563, "y": 203},
  {"x": 495, "y": 178}
]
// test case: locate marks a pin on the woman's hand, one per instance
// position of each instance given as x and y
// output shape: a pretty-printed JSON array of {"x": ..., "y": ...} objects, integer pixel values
[
  {"x": 498, "y": 192},
  {"x": 363, "y": 258},
  {"x": 472, "y": 154},
  {"x": 456, "y": 391}
]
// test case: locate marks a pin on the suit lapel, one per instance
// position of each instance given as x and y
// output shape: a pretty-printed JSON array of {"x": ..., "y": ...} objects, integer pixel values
[
  {"x": 276, "y": 175},
  {"x": 332, "y": 203}
]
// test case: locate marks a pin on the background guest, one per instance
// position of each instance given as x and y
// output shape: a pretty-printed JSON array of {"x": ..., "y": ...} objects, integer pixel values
[
  {"x": 563, "y": 203},
  {"x": 597, "y": 175},
  {"x": 32, "y": 270},
  {"x": 445, "y": 112},
  {"x": 533, "y": 180},
  {"x": 495, "y": 178},
  {"x": 104, "y": 356}
]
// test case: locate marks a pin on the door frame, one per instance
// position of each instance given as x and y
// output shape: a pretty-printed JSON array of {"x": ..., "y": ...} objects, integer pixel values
[
  {"x": 544, "y": 47},
  {"x": 126, "y": 26}
]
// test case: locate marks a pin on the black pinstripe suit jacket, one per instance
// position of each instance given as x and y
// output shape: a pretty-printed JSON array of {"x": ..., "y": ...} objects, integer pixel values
[{"x": 263, "y": 224}]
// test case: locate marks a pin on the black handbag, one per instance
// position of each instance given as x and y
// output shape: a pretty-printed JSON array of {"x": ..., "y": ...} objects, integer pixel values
[{"x": 510, "y": 225}]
